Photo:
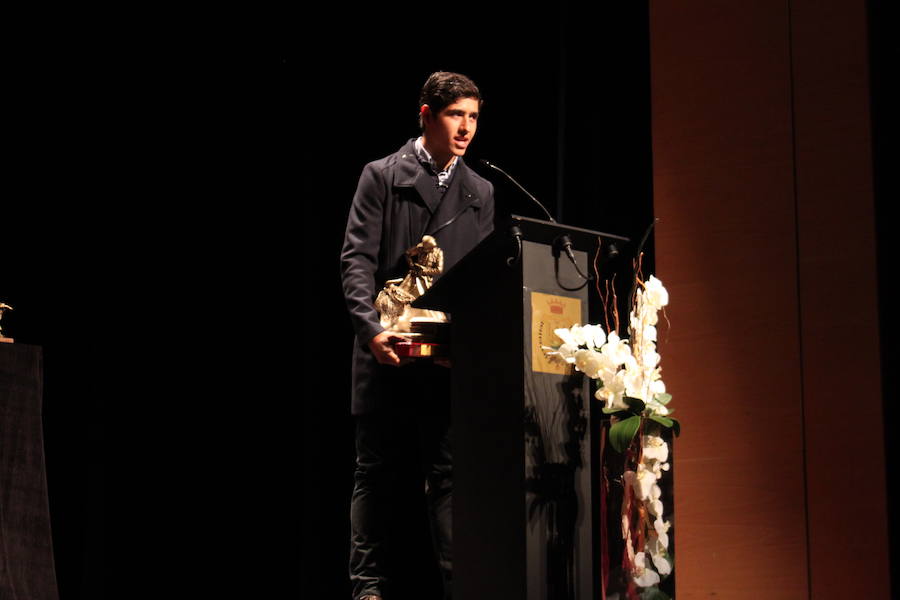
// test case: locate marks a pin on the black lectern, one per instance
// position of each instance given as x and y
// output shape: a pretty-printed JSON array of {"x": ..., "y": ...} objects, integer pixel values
[{"x": 523, "y": 502}]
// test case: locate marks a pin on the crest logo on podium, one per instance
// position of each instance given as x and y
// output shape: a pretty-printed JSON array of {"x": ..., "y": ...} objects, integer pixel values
[
  {"x": 550, "y": 312},
  {"x": 556, "y": 306}
]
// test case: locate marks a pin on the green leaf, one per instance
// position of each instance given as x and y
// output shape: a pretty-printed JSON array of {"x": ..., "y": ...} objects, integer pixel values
[
  {"x": 665, "y": 422},
  {"x": 621, "y": 434},
  {"x": 668, "y": 422},
  {"x": 663, "y": 398},
  {"x": 676, "y": 426},
  {"x": 654, "y": 593},
  {"x": 635, "y": 404},
  {"x": 618, "y": 413}
]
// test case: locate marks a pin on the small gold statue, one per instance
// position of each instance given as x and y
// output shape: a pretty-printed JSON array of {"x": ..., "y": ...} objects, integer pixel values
[
  {"x": 425, "y": 260},
  {"x": 4, "y": 307}
]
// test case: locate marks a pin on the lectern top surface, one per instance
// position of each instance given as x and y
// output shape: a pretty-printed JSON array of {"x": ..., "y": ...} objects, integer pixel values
[{"x": 544, "y": 232}]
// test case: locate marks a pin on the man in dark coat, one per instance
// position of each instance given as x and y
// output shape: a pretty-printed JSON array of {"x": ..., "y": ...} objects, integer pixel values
[{"x": 423, "y": 188}]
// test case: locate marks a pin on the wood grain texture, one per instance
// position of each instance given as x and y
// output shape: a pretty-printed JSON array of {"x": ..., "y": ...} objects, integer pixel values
[
  {"x": 763, "y": 187},
  {"x": 838, "y": 297},
  {"x": 726, "y": 249}
]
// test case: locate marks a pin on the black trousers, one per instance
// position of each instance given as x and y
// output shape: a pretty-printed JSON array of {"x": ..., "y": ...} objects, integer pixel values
[{"x": 410, "y": 437}]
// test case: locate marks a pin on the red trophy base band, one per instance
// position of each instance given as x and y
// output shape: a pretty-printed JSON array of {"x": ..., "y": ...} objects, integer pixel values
[{"x": 421, "y": 350}]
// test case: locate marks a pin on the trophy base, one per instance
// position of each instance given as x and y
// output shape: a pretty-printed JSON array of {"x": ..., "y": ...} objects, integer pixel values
[
  {"x": 5, "y": 340},
  {"x": 430, "y": 329},
  {"x": 421, "y": 350}
]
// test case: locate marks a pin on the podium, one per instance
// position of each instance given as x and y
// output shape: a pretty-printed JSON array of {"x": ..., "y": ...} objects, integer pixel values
[
  {"x": 524, "y": 503},
  {"x": 26, "y": 553}
]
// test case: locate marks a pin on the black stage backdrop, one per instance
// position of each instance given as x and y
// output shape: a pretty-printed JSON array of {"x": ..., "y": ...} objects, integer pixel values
[
  {"x": 884, "y": 57},
  {"x": 172, "y": 215}
]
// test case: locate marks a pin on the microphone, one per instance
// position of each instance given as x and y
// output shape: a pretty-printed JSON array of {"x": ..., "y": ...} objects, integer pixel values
[{"x": 508, "y": 176}]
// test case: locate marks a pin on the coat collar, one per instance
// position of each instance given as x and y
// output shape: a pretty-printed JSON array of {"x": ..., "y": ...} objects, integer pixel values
[{"x": 459, "y": 196}]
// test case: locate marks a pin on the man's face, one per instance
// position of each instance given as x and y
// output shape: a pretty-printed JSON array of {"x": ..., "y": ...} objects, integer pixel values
[{"x": 449, "y": 132}]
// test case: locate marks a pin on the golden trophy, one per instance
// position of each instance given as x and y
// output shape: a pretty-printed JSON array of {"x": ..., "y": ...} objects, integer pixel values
[
  {"x": 426, "y": 329},
  {"x": 4, "y": 307}
]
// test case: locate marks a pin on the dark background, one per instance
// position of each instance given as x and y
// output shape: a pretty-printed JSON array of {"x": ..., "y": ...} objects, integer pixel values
[
  {"x": 171, "y": 221},
  {"x": 884, "y": 56}
]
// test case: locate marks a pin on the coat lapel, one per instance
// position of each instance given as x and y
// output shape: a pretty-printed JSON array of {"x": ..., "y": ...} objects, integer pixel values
[
  {"x": 410, "y": 174},
  {"x": 460, "y": 196}
]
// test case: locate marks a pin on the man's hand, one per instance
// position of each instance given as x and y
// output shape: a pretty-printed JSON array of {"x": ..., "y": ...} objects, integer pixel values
[{"x": 382, "y": 346}]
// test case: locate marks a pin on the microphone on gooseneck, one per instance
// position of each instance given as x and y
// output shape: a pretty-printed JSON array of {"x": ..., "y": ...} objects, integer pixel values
[
  {"x": 508, "y": 176},
  {"x": 562, "y": 244}
]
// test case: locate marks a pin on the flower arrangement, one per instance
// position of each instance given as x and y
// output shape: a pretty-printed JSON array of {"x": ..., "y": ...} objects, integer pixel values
[{"x": 629, "y": 383}]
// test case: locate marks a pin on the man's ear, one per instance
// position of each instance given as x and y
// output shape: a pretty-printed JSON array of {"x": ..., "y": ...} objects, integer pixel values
[{"x": 425, "y": 113}]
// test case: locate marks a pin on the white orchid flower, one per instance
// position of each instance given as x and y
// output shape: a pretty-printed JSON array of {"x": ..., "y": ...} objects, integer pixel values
[
  {"x": 630, "y": 361},
  {"x": 635, "y": 322},
  {"x": 566, "y": 336},
  {"x": 644, "y": 481},
  {"x": 616, "y": 349},
  {"x": 655, "y": 293},
  {"x": 650, "y": 357},
  {"x": 567, "y": 352},
  {"x": 654, "y": 504},
  {"x": 660, "y": 537},
  {"x": 654, "y": 466},
  {"x": 630, "y": 479},
  {"x": 613, "y": 390},
  {"x": 662, "y": 528},
  {"x": 655, "y": 544},
  {"x": 579, "y": 335},
  {"x": 663, "y": 566},
  {"x": 643, "y": 577},
  {"x": 595, "y": 336},
  {"x": 634, "y": 383},
  {"x": 654, "y": 448},
  {"x": 608, "y": 368},
  {"x": 644, "y": 309},
  {"x": 658, "y": 549},
  {"x": 657, "y": 408},
  {"x": 589, "y": 362}
]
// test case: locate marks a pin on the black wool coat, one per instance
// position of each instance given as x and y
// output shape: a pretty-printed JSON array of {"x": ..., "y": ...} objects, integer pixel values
[{"x": 394, "y": 206}]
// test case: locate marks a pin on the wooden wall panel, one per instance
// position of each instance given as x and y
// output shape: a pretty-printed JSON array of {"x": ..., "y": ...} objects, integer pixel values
[
  {"x": 762, "y": 183},
  {"x": 726, "y": 248},
  {"x": 838, "y": 297}
]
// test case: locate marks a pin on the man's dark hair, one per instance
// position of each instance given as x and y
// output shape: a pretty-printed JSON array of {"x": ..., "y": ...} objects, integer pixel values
[{"x": 443, "y": 89}]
